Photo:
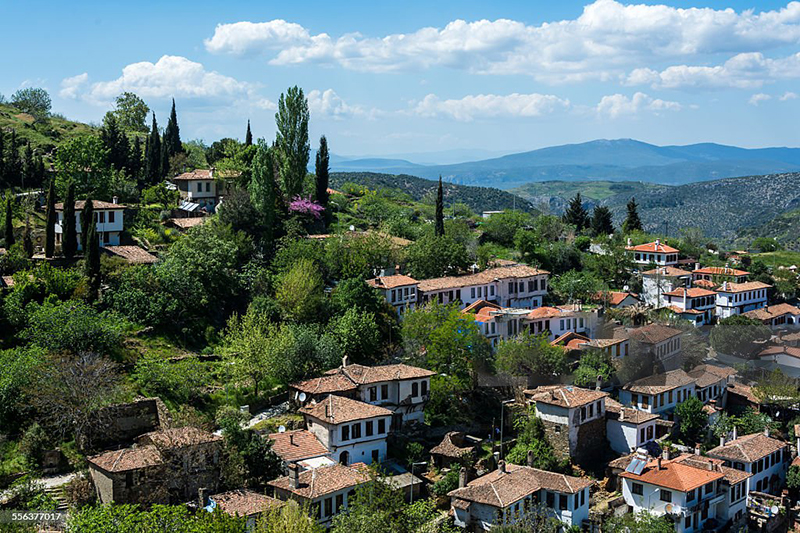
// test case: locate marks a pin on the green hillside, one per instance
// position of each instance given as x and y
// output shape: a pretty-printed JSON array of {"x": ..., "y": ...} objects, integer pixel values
[
  {"x": 594, "y": 190},
  {"x": 785, "y": 228},
  {"x": 44, "y": 135}
]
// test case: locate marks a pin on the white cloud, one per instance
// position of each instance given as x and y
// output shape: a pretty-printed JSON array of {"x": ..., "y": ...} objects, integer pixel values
[
  {"x": 72, "y": 86},
  {"x": 788, "y": 95},
  {"x": 607, "y": 37},
  {"x": 471, "y": 107},
  {"x": 745, "y": 70},
  {"x": 616, "y": 105},
  {"x": 170, "y": 76},
  {"x": 758, "y": 98},
  {"x": 329, "y": 104}
]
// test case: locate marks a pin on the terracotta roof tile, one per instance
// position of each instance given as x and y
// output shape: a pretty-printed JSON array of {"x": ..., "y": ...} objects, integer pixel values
[
  {"x": 653, "y": 333},
  {"x": 653, "y": 247},
  {"x": 198, "y": 174},
  {"x": 772, "y": 311},
  {"x": 297, "y": 445},
  {"x": 691, "y": 292},
  {"x": 325, "y": 384},
  {"x": 791, "y": 351},
  {"x": 338, "y": 409},
  {"x": 720, "y": 271},
  {"x": 391, "y": 282},
  {"x": 660, "y": 382},
  {"x": 127, "y": 459},
  {"x": 544, "y": 312},
  {"x": 749, "y": 448},
  {"x": 487, "y": 276},
  {"x": 132, "y": 254},
  {"x": 614, "y": 297},
  {"x": 675, "y": 474},
  {"x": 244, "y": 502},
  {"x": 706, "y": 375},
  {"x": 668, "y": 271},
  {"x": 707, "y": 283},
  {"x": 96, "y": 204},
  {"x": 177, "y": 437},
  {"x": 628, "y": 414},
  {"x": 479, "y": 305},
  {"x": 450, "y": 448},
  {"x": 318, "y": 482},
  {"x": 740, "y": 389},
  {"x": 364, "y": 375},
  {"x": 729, "y": 288},
  {"x": 186, "y": 223},
  {"x": 731, "y": 475},
  {"x": 564, "y": 395}
]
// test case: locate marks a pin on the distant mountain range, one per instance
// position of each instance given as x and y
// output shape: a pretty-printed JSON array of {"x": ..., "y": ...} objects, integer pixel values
[{"x": 619, "y": 160}]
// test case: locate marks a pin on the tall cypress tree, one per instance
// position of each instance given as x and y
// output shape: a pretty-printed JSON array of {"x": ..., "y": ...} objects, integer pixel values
[
  {"x": 439, "y": 229},
  {"x": 2, "y": 159},
  {"x": 87, "y": 220},
  {"x": 50, "y": 228},
  {"x": 248, "y": 137},
  {"x": 152, "y": 163},
  {"x": 29, "y": 166},
  {"x": 165, "y": 166},
  {"x": 9, "y": 222},
  {"x": 322, "y": 169},
  {"x": 135, "y": 158},
  {"x": 27, "y": 240},
  {"x": 265, "y": 191},
  {"x": 13, "y": 163},
  {"x": 92, "y": 260},
  {"x": 576, "y": 214},
  {"x": 291, "y": 140},
  {"x": 69, "y": 242},
  {"x": 632, "y": 221},
  {"x": 172, "y": 134}
]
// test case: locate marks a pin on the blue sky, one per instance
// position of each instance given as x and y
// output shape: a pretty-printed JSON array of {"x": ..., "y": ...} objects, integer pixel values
[{"x": 417, "y": 76}]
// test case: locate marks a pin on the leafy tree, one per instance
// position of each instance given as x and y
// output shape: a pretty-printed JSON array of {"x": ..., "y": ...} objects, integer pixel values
[
  {"x": 776, "y": 388},
  {"x": 29, "y": 166},
  {"x": 738, "y": 335},
  {"x": 593, "y": 363},
  {"x": 83, "y": 161},
  {"x": 156, "y": 519},
  {"x": 153, "y": 170},
  {"x": 439, "y": 230},
  {"x": 358, "y": 334},
  {"x": 752, "y": 421},
  {"x": 69, "y": 242},
  {"x": 793, "y": 478},
  {"x": 574, "y": 285},
  {"x": 433, "y": 256},
  {"x": 131, "y": 113},
  {"x": 264, "y": 190},
  {"x": 115, "y": 142},
  {"x": 502, "y": 227},
  {"x": 692, "y": 420},
  {"x": 34, "y": 101},
  {"x": 766, "y": 244},
  {"x": 576, "y": 214},
  {"x": 292, "y": 140},
  {"x": 531, "y": 437},
  {"x": 602, "y": 221},
  {"x": 632, "y": 221},
  {"x": 239, "y": 212},
  {"x": 16, "y": 370},
  {"x": 322, "y": 171},
  {"x": 8, "y": 232},
  {"x": 27, "y": 240},
  {"x": 135, "y": 163},
  {"x": 71, "y": 326},
  {"x": 299, "y": 292},
  {"x": 2, "y": 158},
  {"x": 376, "y": 506},
  {"x": 87, "y": 221},
  {"x": 354, "y": 293},
  {"x": 288, "y": 518},
  {"x": 261, "y": 463},
  {"x": 248, "y": 137},
  {"x": 613, "y": 267},
  {"x": 50, "y": 227},
  {"x": 642, "y": 522},
  {"x": 160, "y": 194},
  {"x": 531, "y": 355}
]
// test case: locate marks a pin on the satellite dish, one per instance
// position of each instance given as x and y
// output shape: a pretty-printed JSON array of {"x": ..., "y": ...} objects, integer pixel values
[
  {"x": 281, "y": 429},
  {"x": 352, "y": 228},
  {"x": 668, "y": 508},
  {"x": 302, "y": 396},
  {"x": 774, "y": 509}
]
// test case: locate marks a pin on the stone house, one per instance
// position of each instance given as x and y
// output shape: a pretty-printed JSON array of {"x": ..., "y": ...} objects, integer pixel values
[
  {"x": 130, "y": 475},
  {"x": 455, "y": 447},
  {"x": 658, "y": 394},
  {"x": 243, "y": 503},
  {"x": 122, "y": 423},
  {"x": 767, "y": 459}
]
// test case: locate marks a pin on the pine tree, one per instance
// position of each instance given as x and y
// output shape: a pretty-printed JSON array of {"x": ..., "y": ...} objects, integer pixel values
[
  {"x": 87, "y": 220},
  {"x": 13, "y": 163},
  {"x": 632, "y": 221},
  {"x": 92, "y": 260},
  {"x": 152, "y": 156},
  {"x": 9, "y": 225},
  {"x": 439, "y": 229},
  {"x": 292, "y": 141},
  {"x": 69, "y": 242},
  {"x": 248, "y": 137},
  {"x": 575, "y": 214},
  {"x": 322, "y": 171},
  {"x": 50, "y": 228},
  {"x": 602, "y": 221},
  {"x": 115, "y": 142}
]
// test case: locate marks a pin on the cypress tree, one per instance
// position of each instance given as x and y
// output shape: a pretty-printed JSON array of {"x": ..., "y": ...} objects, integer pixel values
[
  {"x": 27, "y": 241},
  {"x": 602, "y": 221},
  {"x": 165, "y": 166},
  {"x": 29, "y": 172},
  {"x": 92, "y": 261},
  {"x": 50, "y": 228},
  {"x": 248, "y": 137},
  {"x": 632, "y": 221},
  {"x": 322, "y": 170},
  {"x": 9, "y": 225},
  {"x": 134, "y": 164},
  {"x": 172, "y": 134},
  {"x": 576, "y": 214},
  {"x": 2, "y": 159},
  {"x": 264, "y": 190},
  {"x": 40, "y": 170},
  {"x": 152, "y": 163},
  {"x": 14, "y": 163},
  {"x": 87, "y": 220},
  {"x": 69, "y": 242},
  {"x": 439, "y": 230}
]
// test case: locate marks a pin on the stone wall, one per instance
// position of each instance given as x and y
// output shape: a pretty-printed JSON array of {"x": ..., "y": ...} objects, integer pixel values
[
  {"x": 558, "y": 436},
  {"x": 119, "y": 425},
  {"x": 591, "y": 442}
]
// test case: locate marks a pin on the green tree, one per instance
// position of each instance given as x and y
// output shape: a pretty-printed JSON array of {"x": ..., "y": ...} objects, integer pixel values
[
  {"x": 602, "y": 221},
  {"x": 134, "y": 164},
  {"x": 752, "y": 421},
  {"x": 375, "y": 507},
  {"x": 288, "y": 518},
  {"x": 502, "y": 227},
  {"x": 115, "y": 142},
  {"x": 71, "y": 326},
  {"x": 291, "y": 140},
  {"x": 50, "y": 227},
  {"x": 153, "y": 170},
  {"x": 172, "y": 134},
  {"x": 766, "y": 244},
  {"x": 156, "y": 519},
  {"x": 248, "y": 137},
  {"x": 261, "y": 463},
  {"x": 29, "y": 166},
  {"x": 439, "y": 229},
  {"x": 793, "y": 478},
  {"x": 692, "y": 420},
  {"x": 574, "y": 285},
  {"x": 8, "y": 231},
  {"x": 264, "y": 191},
  {"x": 433, "y": 256},
  {"x": 642, "y": 522},
  {"x": 531, "y": 355},
  {"x": 776, "y": 388},
  {"x": 87, "y": 220},
  {"x": 34, "y": 101},
  {"x": 593, "y": 364},
  {"x": 92, "y": 260},
  {"x": 131, "y": 113},
  {"x": 69, "y": 242},
  {"x": 531, "y": 437},
  {"x": 83, "y": 160},
  {"x": 632, "y": 221},
  {"x": 738, "y": 335},
  {"x": 576, "y": 214},
  {"x": 299, "y": 292},
  {"x": 358, "y": 334},
  {"x": 322, "y": 170},
  {"x": 16, "y": 370}
]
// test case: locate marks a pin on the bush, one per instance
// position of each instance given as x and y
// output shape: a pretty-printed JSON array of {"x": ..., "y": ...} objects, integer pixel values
[
  {"x": 80, "y": 492},
  {"x": 447, "y": 483},
  {"x": 33, "y": 443},
  {"x": 72, "y": 326},
  {"x": 180, "y": 381}
]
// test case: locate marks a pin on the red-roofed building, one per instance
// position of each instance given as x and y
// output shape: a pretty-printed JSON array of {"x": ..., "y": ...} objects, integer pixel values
[
  {"x": 399, "y": 290},
  {"x": 108, "y": 218},
  {"x": 495, "y": 322},
  {"x": 692, "y": 303},
  {"x": 765, "y": 457},
  {"x": 777, "y": 316},
  {"x": 655, "y": 252},
  {"x": 560, "y": 320},
  {"x": 661, "y": 280},
  {"x": 739, "y": 298},
  {"x": 719, "y": 275},
  {"x": 617, "y": 299}
]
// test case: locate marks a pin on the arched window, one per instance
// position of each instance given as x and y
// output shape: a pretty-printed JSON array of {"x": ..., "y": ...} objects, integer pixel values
[{"x": 344, "y": 458}]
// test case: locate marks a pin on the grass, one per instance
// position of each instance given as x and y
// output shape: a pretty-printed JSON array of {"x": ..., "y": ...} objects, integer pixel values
[
  {"x": 595, "y": 190},
  {"x": 45, "y": 134},
  {"x": 780, "y": 258}
]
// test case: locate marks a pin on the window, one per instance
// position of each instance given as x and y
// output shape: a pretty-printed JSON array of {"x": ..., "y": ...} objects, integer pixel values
[
  {"x": 357, "y": 431},
  {"x": 373, "y": 394},
  {"x": 128, "y": 479},
  {"x": 511, "y": 288},
  {"x": 666, "y": 495},
  {"x": 491, "y": 289},
  {"x": 645, "y": 401},
  {"x": 591, "y": 410},
  {"x": 551, "y": 499},
  {"x": 425, "y": 384},
  {"x": 376, "y": 454},
  {"x": 345, "y": 432},
  {"x": 199, "y": 187},
  {"x": 669, "y": 397},
  {"x": 687, "y": 523},
  {"x": 480, "y": 292},
  {"x": 583, "y": 414},
  {"x": 637, "y": 488},
  {"x": 101, "y": 217},
  {"x": 642, "y": 434},
  {"x": 111, "y": 215},
  {"x": 634, "y": 399},
  {"x": 583, "y": 497},
  {"x": 381, "y": 426},
  {"x": 339, "y": 503},
  {"x": 208, "y": 186},
  {"x": 414, "y": 389},
  {"x": 472, "y": 292},
  {"x": 530, "y": 286},
  {"x": 368, "y": 429},
  {"x": 563, "y": 504},
  {"x": 690, "y": 496},
  {"x": 384, "y": 392},
  {"x": 328, "y": 507}
]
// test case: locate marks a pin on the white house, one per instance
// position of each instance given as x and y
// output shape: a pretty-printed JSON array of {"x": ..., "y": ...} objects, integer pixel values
[
  {"x": 663, "y": 342},
  {"x": 766, "y": 458},
  {"x": 509, "y": 286},
  {"x": 198, "y": 187},
  {"x": 560, "y": 320},
  {"x": 506, "y": 494},
  {"x": 326, "y": 490},
  {"x": 711, "y": 382},
  {"x": 780, "y": 316},
  {"x": 690, "y": 488},
  {"x": 788, "y": 356},
  {"x": 573, "y": 418},
  {"x": 694, "y": 304},
  {"x": 617, "y": 299},
  {"x": 399, "y": 290},
  {"x": 627, "y": 428},
  {"x": 738, "y": 298},
  {"x": 108, "y": 219},
  {"x": 719, "y": 275},
  {"x": 655, "y": 252},
  {"x": 661, "y": 280},
  {"x": 495, "y": 322},
  {"x": 660, "y": 393},
  {"x": 352, "y": 431}
]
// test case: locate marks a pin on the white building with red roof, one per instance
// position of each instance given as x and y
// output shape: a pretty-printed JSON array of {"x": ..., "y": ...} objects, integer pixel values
[
  {"x": 399, "y": 290},
  {"x": 653, "y": 253},
  {"x": 661, "y": 280},
  {"x": 767, "y": 459},
  {"x": 627, "y": 428},
  {"x": 694, "y": 304},
  {"x": 780, "y": 316},
  {"x": 739, "y": 298},
  {"x": 495, "y": 322},
  {"x": 718, "y": 275},
  {"x": 560, "y": 320},
  {"x": 108, "y": 218},
  {"x": 198, "y": 187}
]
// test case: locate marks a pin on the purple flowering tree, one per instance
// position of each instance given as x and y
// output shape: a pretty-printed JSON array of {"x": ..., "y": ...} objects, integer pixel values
[{"x": 306, "y": 206}]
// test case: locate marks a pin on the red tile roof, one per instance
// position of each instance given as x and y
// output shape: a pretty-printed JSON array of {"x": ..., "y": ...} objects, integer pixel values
[
  {"x": 749, "y": 448},
  {"x": 391, "y": 282},
  {"x": 627, "y": 415},
  {"x": 322, "y": 481},
  {"x": 186, "y": 223},
  {"x": 544, "y": 312},
  {"x": 338, "y": 410},
  {"x": 199, "y": 174},
  {"x": 364, "y": 375},
  {"x": 653, "y": 247},
  {"x": 772, "y": 311},
  {"x": 706, "y": 375},
  {"x": 96, "y": 204},
  {"x": 297, "y": 445},
  {"x": 691, "y": 292},
  {"x": 480, "y": 305},
  {"x": 720, "y": 271},
  {"x": 244, "y": 502},
  {"x": 705, "y": 283},
  {"x": 653, "y": 333},
  {"x": 127, "y": 459},
  {"x": 450, "y": 448},
  {"x": 728, "y": 287},
  {"x": 660, "y": 382},
  {"x": 675, "y": 474},
  {"x": 564, "y": 395},
  {"x": 614, "y": 297},
  {"x": 668, "y": 271},
  {"x": 791, "y": 351},
  {"x": 131, "y": 254},
  {"x": 325, "y": 384},
  {"x": 487, "y": 276},
  {"x": 178, "y": 437}
]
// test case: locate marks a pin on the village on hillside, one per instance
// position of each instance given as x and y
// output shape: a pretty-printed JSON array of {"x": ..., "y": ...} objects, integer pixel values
[{"x": 214, "y": 338}]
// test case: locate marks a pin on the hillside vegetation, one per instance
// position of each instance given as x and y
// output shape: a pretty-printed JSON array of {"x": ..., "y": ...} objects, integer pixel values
[
  {"x": 44, "y": 135},
  {"x": 785, "y": 228}
]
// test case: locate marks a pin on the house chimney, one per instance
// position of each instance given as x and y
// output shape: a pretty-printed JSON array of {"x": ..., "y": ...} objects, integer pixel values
[
  {"x": 665, "y": 454},
  {"x": 630, "y": 242},
  {"x": 766, "y": 432},
  {"x": 294, "y": 476},
  {"x": 722, "y": 440},
  {"x": 291, "y": 439},
  {"x": 710, "y": 465},
  {"x": 658, "y": 463},
  {"x": 697, "y": 266},
  {"x": 735, "y": 433},
  {"x": 202, "y": 497},
  {"x": 115, "y": 200},
  {"x": 658, "y": 243},
  {"x": 530, "y": 456},
  {"x": 697, "y": 448},
  {"x": 211, "y": 172},
  {"x": 622, "y": 414},
  {"x": 463, "y": 477},
  {"x": 501, "y": 465},
  {"x": 598, "y": 383},
  {"x": 344, "y": 361}
]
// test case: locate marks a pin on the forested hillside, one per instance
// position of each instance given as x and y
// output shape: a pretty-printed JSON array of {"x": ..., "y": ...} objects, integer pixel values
[{"x": 784, "y": 228}]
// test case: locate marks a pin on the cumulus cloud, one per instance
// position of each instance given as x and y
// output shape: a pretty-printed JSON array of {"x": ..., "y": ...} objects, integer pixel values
[
  {"x": 170, "y": 76},
  {"x": 330, "y": 104},
  {"x": 743, "y": 71},
  {"x": 616, "y": 105},
  {"x": 758, "y": 98},
  {"x": 607, "y": 36},
  {"x": 788, "y": 95},
  {"x": 490, "y": 105}
]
